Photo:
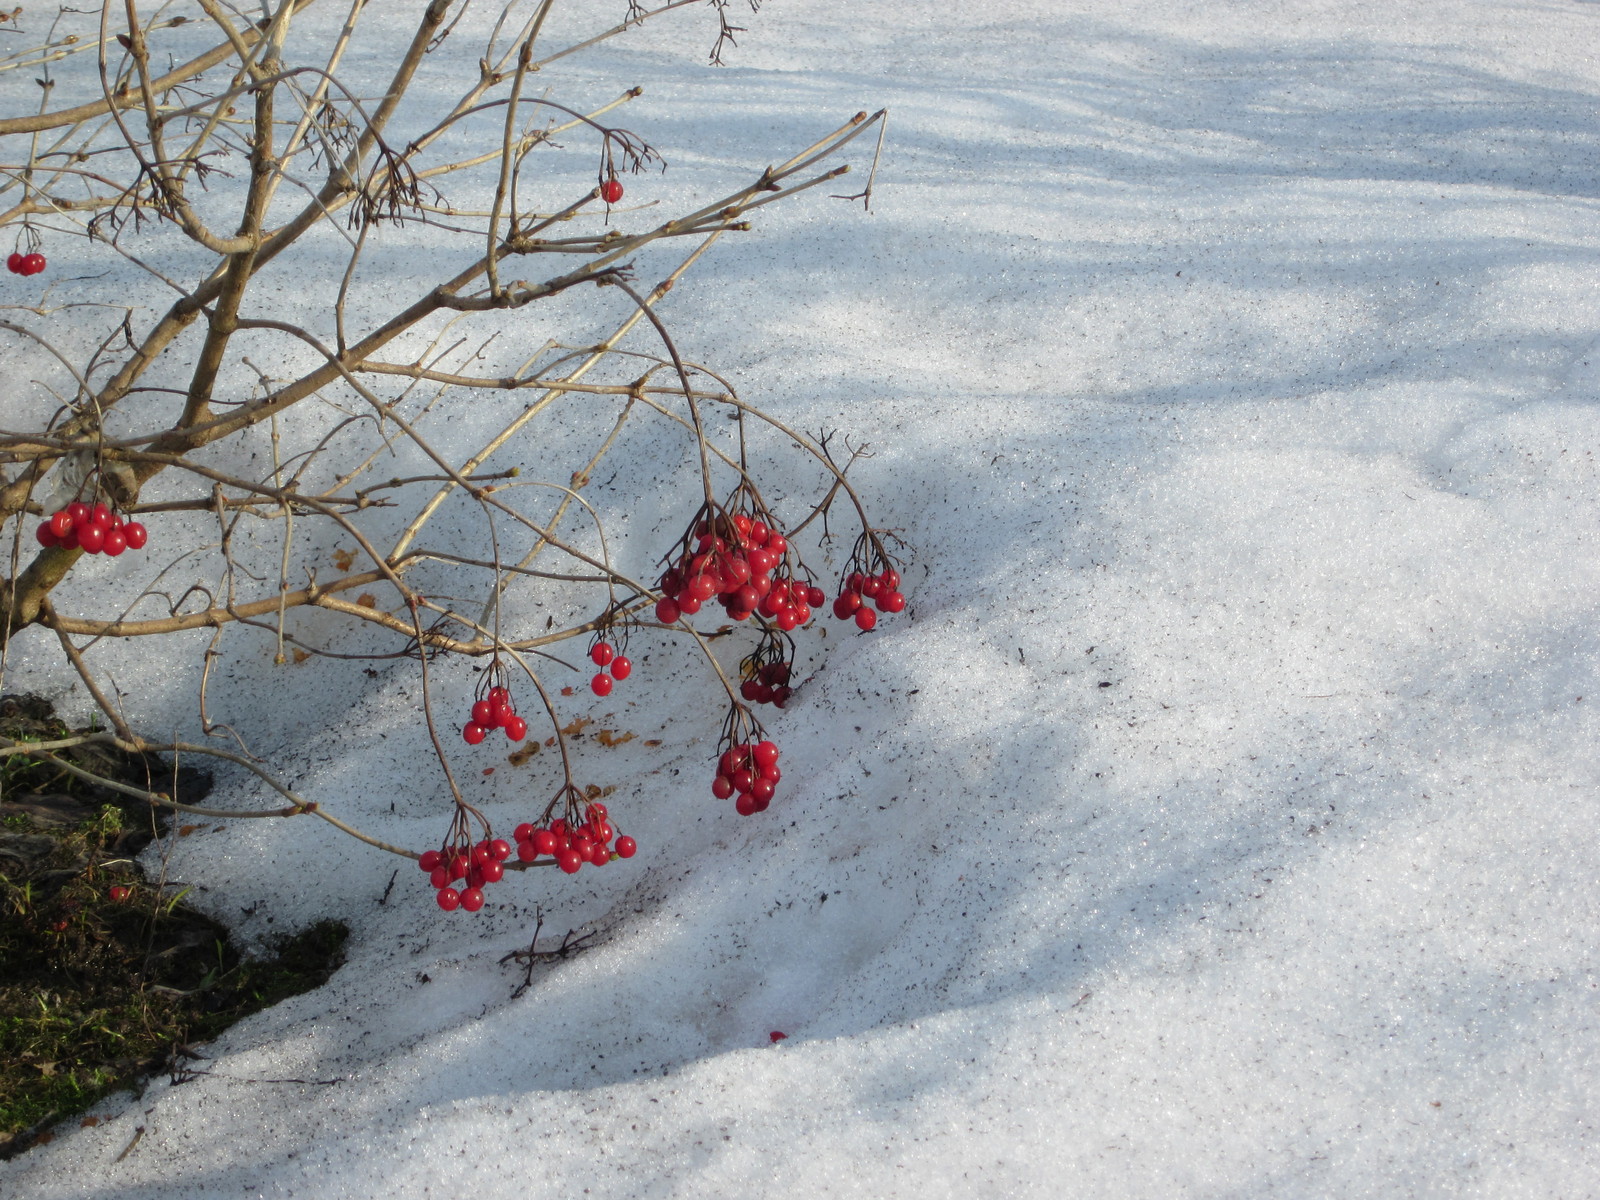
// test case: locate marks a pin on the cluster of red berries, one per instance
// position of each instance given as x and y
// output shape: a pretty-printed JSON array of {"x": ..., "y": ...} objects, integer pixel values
[
  {"x": 604, "y": 655},
  {"x": 95, "y": 530},
  {"x": 750, "y": 771},
  {"x": 475, "y": 867},
  {"x": 573, "y": 843},
  {"x": 883, "y": 589},
  {"x": 494, "y": 711},
  {"x": 735, "y": 566},
  {"x": 767, "y": 670},
  {"x": 25, "y": 264}
]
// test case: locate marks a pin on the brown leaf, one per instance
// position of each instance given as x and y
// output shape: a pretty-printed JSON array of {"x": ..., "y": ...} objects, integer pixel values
[
  {"x": 566, "y": 691},
  {"x": 343, "y": 559},
  {"x": 517, "y": 757},
  {"x": 88, "y": 1122},
  {"x": 606, "y": 738},
  {"x": 300, "y": 656},
  {"x": 186, "y": 830},
  {"x": 652, "y": 741},
  {"x": 577, "y": 727},
  {"x": 367, "y": 600}
]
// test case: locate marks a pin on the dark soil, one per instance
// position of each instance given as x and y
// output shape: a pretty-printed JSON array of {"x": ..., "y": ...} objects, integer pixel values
[{"x": 107, "y": 977}]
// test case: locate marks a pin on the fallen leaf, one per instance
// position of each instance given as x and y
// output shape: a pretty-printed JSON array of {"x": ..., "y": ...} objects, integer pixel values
[
  {"x": 186, "y": 830},
  {"x": 606, "y": 738},
  {"x": 367, "y": 600},
  {"x": 652, "y": 741},
  {"x": 577, "y": 727},
  {"x": 89, "y": 1123},
  {"x": 517, "y": 757},
  {"x": 343, "y": 559},
  {"x": 300, "y": 656},
  {"x": 566, "y": 691}
]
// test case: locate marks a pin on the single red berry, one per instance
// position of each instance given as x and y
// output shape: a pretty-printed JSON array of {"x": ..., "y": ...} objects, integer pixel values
[
  {"x": 61, "y": 523},
  {"x": 891, "y": 580},
  {"x": 777, "y": 545},
  {"x": 523, "y": 832},
  {"x": 866, "y": 618},
  {"x": 626, "y": 847},
  {"x": 516, "y": 728},
  {"x": 47, "y": 535},
  {"x": 544, "y": 841},
  {"x": 33, "y": 263},
  {"x": 569, "y": 861},
  {"x": 499, "y": 849},
  {"x": 688, "y": 605},
  {"x": 101, "y": 516},
  {"x": 429, "y": 860},
  {"x": 601, "y": 684},
  {"x": 891, "y": 602},
  {"x": 602, "y": 653},
  {"x": 472, "y": 899},
  {"x": 745, "y": 805},
  {"x": 815, "y": 596},
  {"x": 439, "y": 876},
  {"x": 492, "y": 872},
  {"x": 611, "y": 191},
  {"x": 621, "y": 667},
  {"x": 116, "y": 541},
  {"x": 765, "y": 754},
  {"x": 473, "y": 733},
  {"x": 846, "y": 605},
  {"x": 702, "y": 587},
  {"x": 449, "y": 899},
  {"x": 722, "y": 787},
  {"x": 525, "y": 852},
  {"x": 483, "y": 713},
  {"x": 14, "y": 263},
  {"x": 92, "y": 539},
  {"x": 136, "y": 535},
  {"x": 120, "y": 893},
  {"x": 78, "y": 511},
  {"x": 667, "y": 611}
]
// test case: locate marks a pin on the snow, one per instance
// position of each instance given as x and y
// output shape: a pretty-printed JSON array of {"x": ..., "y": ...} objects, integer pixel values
[{"x": 1218, "y": 820}]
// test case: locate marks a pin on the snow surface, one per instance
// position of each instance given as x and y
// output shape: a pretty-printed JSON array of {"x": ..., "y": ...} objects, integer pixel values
[{"x": 1218, "y": 821}]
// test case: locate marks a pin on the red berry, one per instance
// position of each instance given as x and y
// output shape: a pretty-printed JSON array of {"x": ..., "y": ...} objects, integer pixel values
[
  {"x": 47, "y": 535},
  {"x": 450, "y": 899},
  {"x": 611, "y": 191},
  {"x": 492, "y": 872},
  {"x": 602, "y": 653},
  {"x": 523, "y": 832},
  {"x": 544, "y": 841},
  {"x": 473, "y": 733},
  {"x": 120, "y": 892},
  {"x": 626, "y": 847},
  {"x": 815, "y": 596},
  {"x": 116, "y": 542},
  {"x": 14, "y": 263},
  {"x": 601, "y": 684},
  {"x": 516, "y": 728},
  {"x": 745, "y": 805},
  {"x": 439, "y": 876},
  {"x": 429, "y": 860},
  {"x": 722, "y": 787},
  {"x": 866, "y": 618},
  {"x": 78, "y": 511},
  {"x": 688, "y": 605},
  {"x": 483, "y": 713},
  {"x": 621, "y": 668},
  {"x": 472, "y": 899},
  {"x": 499, "y": 850},
  {"x": 667, "y": 611},
  {"x": 101, "y": 516},
  {"x": 891, "y": 580},
  {"x": 32, "y": 264},
  {"x": 846, "y": 604},
  {"x": 61, "y": 523},
  {"x": 92, "y": 539},
  {"x": 891, "y": 602},
  {"x": 765, "y": 754},
  {"x": 525, "y": 852},
  {"x": 569, "y": 861},
  {"x": 702, "y": 587},
  {"x": 136, "y": 535}
]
